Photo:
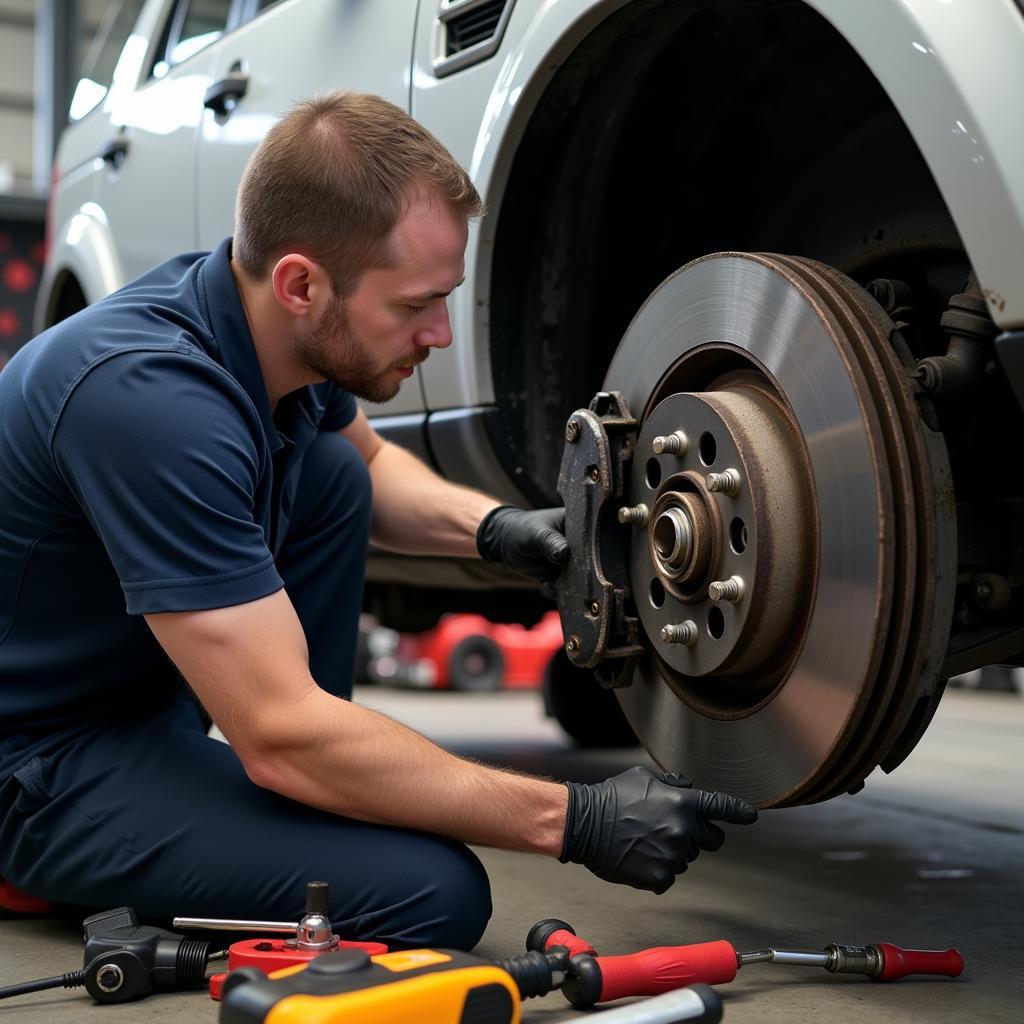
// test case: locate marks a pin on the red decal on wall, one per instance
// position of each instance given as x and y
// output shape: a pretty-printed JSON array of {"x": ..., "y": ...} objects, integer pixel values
[
  {"x": 9, "y": 323},
  {"x": 19, "y": 275}
]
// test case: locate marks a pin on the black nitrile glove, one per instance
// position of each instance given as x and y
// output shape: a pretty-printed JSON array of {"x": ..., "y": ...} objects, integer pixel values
[
  {"x": 532, "y": 543},
  {"x": 642, "y": 829}
]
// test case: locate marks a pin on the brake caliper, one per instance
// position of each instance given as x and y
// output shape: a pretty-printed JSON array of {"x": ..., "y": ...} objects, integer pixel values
[{"x": 594, "y": 599}]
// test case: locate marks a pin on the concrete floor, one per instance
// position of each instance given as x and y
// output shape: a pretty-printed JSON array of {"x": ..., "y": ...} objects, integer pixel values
[{"x": 931, "y": 856}]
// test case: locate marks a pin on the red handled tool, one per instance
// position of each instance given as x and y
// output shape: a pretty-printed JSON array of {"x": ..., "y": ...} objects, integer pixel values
[
  {"x": 309, "y": 938},
  {"x": 599, "y": 979}
]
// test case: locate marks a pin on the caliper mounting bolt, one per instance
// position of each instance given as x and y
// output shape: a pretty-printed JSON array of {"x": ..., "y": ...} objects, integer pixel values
[
  {"x": 724, "y": 483},
  {"x": 680, "y": 633},
  {"x": 572, "y": 431},
  {"x": 671, "y": 444},
  {"x": 637, "y": 515},
  {"x": 572, "y": 645},
  {"x": 727, "y": 590}
]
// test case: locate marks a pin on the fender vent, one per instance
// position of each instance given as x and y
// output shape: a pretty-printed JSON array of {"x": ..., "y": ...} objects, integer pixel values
[{"x": 468, "y": 31}]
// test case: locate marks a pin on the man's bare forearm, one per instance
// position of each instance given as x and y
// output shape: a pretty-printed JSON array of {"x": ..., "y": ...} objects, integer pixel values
[
  {"x": 417, "y": 512},
  {"x": 249, "y": 666},
  {"x": 363, "y": 765}
]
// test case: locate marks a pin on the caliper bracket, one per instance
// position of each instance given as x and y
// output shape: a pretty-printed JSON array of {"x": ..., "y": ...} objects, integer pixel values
[{"x": 594, "y": 598}]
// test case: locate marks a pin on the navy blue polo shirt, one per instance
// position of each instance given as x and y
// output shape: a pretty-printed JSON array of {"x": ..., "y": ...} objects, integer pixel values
[{"x": 141, "y": 470}]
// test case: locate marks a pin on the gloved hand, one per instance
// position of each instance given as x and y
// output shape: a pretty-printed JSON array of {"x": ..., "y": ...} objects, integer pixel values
[
  {"x": 532, "y": 543},
  {"x": 643, "y": 829}
]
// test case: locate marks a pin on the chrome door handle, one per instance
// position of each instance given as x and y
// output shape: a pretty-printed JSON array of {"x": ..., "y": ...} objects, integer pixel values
[
  {"x": 222, "y": 97},
  {"x": 114, "y": 152}
]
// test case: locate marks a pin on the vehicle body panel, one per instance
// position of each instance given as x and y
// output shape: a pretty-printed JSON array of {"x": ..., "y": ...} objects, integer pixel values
[
  {"x": 159, "y": 124},
  {"x": 87, "y": 254},
  {"x": 953, "y": 69},
  {"x": 332, "y": 37}
]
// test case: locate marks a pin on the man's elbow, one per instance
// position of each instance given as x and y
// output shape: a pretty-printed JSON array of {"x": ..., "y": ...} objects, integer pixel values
[
  {"x": 265, "y": 771},
  {"x": 272, "y": 751}
]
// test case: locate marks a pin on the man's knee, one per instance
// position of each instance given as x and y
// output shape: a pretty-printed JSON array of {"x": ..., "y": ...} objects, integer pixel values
[
  {"x": 463, "y": 902},
  {"x": 443, "y": 899}
]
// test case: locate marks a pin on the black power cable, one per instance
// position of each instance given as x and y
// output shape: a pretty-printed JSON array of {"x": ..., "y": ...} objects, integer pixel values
[{"x": 72, "y": 979}]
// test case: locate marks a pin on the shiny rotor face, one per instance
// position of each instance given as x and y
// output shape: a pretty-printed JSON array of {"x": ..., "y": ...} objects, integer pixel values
[{"x": 793, "y": 502}]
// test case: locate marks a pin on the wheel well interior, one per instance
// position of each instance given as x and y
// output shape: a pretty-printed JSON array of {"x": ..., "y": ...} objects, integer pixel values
[
  {"x": 676, "y": 130},
  {"x": 68, "y": 298}
]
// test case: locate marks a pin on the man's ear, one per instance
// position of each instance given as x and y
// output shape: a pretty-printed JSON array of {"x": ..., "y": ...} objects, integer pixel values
[{"x": 301, "y": 286}]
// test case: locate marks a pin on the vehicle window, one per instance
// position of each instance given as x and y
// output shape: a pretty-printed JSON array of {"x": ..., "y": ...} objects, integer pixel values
[
  {"x": 100, "y": 57},
  {"x": 195, "y": 25}
]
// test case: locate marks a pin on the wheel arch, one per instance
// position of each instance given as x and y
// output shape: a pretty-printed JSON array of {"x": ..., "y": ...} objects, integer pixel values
[
  {"x": 635, "y": 103},
  {"x": 82, "y": 267}
]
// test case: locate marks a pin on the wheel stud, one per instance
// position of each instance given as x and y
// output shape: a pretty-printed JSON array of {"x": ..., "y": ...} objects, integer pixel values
[
  {"x": 724, "y": 483},
  {"x": 671, "y": 444},
  {"x": 637, "y": 515},
  {"x": 680, "y": 633},
  {"x": 727, "y": 590}
]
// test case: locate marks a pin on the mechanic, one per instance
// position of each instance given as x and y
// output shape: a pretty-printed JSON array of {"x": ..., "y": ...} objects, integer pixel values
[{"x": 187, "y": 493}]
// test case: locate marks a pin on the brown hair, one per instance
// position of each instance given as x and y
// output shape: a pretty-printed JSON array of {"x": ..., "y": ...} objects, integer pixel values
[{"x": 332, "y": 178}]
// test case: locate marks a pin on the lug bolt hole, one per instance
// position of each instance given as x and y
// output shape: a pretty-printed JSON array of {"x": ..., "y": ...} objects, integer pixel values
[
  {"x": 708, "y": 449},
  {"x": 716, "y": 623},
  {"x": 738, "y": 535},
  {"x": 657, "y": 593},
  {"x": 653, "y": 473}
]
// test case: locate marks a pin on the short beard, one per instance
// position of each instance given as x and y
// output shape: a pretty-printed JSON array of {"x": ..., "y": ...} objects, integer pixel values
[{"x": 333, "y": 352}]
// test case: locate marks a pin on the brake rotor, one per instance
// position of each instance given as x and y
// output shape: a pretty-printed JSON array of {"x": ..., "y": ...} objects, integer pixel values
[{"x": 794, "y": 563}]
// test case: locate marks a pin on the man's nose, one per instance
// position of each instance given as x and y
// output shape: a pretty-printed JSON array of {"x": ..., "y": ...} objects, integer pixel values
[{"x": 437, "y": 332}]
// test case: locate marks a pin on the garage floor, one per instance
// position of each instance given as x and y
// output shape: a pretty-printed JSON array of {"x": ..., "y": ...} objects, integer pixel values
[{"x": 931, "y": 856}]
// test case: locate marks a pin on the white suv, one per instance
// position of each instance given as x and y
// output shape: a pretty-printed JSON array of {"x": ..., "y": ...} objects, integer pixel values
[{"x": 807, "y": 511}]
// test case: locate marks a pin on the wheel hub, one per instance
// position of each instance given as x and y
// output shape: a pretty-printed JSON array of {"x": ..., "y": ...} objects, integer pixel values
[{"x": 726, "y": 551}]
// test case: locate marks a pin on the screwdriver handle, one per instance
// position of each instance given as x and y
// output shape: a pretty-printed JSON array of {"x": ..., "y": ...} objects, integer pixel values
[
  {"x": 553, "y": 932},
  {"x": 898, "y": 963},
  {"x": 663, "y": 968},
  {"x": 604, "y": 979}
]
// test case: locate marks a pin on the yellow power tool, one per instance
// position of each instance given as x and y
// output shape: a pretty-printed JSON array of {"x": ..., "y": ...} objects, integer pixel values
[{"x": 429, "y": 986}]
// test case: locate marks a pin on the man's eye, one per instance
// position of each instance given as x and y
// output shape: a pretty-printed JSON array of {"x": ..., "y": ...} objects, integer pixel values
[{"x": 416, "y": 309}]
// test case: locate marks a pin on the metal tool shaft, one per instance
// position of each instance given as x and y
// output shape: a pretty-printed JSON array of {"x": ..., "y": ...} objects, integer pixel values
[
  {"x": 220, "y": 924},
  {"x": 797, "y": 957}
]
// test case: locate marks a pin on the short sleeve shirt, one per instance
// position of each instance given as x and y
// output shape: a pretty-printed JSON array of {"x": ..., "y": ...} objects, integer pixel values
[{"x": 141, "y": 470}]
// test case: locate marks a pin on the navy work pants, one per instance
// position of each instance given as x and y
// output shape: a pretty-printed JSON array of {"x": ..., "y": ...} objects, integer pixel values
[{"x": 149, "y": 812}]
